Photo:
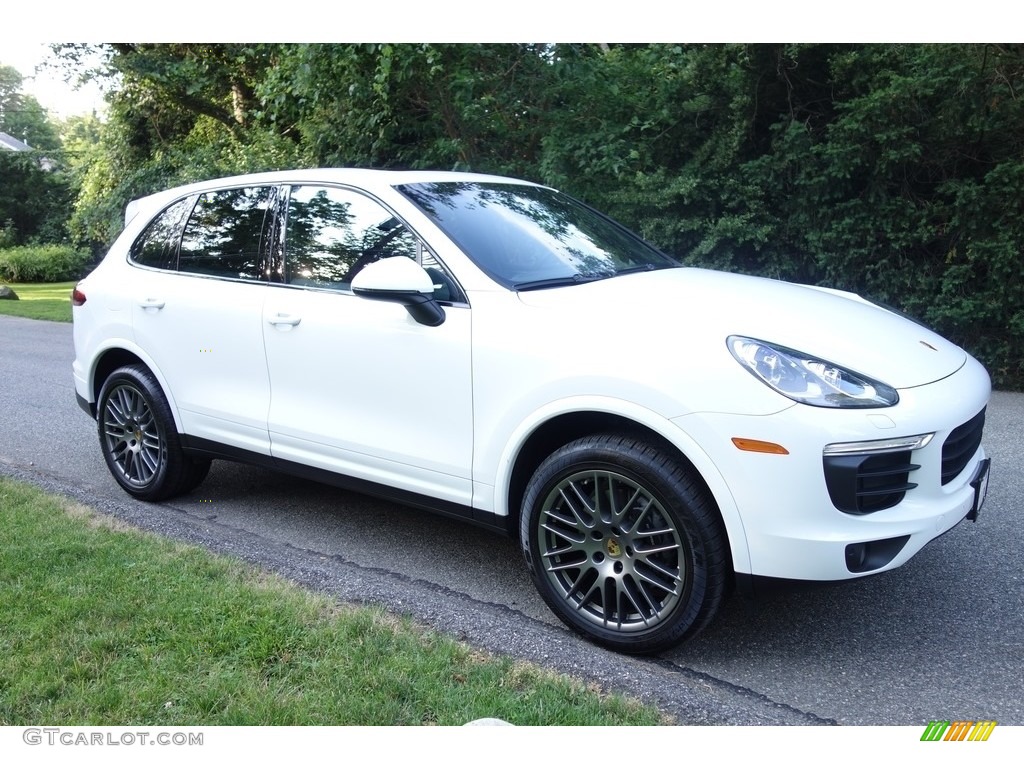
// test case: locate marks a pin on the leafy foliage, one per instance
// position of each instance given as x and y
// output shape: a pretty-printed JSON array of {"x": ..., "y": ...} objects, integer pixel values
[
  {"x": 22, "y": 116},
  {"x": 177, "y": 113},
  {"x": 892, "y": 170},
  {"x": 34, "y": 202},
  {"x": 42, "y": 263},
  {"x": 462, "y": 107}
]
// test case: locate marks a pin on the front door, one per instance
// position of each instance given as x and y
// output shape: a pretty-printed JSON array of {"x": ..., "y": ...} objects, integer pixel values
[{"x": 359, "y": 387}]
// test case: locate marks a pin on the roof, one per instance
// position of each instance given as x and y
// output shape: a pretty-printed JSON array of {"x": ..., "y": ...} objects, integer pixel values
[
  {"x": 9, "y": 142},
  {"x": 361, "y": 177}
]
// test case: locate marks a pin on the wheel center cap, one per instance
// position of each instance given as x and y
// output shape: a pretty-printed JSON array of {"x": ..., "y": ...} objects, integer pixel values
[{"x": 613, "y": 548}]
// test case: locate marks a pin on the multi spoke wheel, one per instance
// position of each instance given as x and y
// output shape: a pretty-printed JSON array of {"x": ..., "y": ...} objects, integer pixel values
[
  {"x": 608, "y": 547},
  {"x": 140, "y": 443},
  {"x": 132, "y": 438},
  {"x": 623, "y": 545}
]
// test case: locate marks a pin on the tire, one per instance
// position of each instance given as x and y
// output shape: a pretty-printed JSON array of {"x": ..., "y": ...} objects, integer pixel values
[
  {"x": 624, "y": 544},
  {"x": 138, "y": 438},
  {"x": 196, "y": 471}
]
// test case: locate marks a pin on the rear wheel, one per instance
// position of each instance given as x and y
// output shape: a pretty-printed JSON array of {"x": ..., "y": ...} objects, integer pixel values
[
  {"x": 140, "y": 443},
  {"x": 624, "y": 544}
]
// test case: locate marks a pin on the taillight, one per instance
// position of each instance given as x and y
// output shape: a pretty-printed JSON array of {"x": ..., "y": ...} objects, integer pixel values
[{"x": 77, "y": 297}]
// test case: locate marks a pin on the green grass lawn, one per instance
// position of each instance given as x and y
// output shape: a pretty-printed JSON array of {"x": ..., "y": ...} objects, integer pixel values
[
  {"x": 106, "y": 625},
  {"x": 40, "y": 301}
]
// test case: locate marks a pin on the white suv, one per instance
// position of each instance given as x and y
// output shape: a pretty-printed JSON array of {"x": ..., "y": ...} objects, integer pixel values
[{"x": 492, "y": 349}]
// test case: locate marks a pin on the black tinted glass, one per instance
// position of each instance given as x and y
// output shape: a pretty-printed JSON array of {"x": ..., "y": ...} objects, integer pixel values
[
  {"x": 525, "y": 236},
  {"x": 333, "y": 233},
  {"x": 222, "y": 236},
  {"x": 157, "y": 246}
]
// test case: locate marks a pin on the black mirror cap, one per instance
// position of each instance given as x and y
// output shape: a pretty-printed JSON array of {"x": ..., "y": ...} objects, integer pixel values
[{"x": 422, "y": 306}]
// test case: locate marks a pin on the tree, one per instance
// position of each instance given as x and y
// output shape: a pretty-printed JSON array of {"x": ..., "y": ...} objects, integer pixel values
[
  {"x": 34, "y": 203},
  {"x": 177, "y": 113},
  {"x": 22, "y": 116},
  {"x": 479, "y": 107},
  {"x": 892, "y": 170}
]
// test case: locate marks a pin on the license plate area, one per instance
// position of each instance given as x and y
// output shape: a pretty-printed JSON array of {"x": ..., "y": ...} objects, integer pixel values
[{"x": 980, "y": 486}]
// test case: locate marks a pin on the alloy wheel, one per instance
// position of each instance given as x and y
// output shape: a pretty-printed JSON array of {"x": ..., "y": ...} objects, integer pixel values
[
  {"x": 132, "y": 438},
  {"x": 611, "y": 551}
]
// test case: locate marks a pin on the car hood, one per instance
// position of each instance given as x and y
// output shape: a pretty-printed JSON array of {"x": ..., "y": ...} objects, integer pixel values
[{"x": 701, "y": 307}]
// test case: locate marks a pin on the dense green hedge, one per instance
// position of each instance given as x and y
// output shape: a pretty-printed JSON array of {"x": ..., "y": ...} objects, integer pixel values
[
  {"x": 894, "y": 171},
  {"x": 42, "y": 263}
]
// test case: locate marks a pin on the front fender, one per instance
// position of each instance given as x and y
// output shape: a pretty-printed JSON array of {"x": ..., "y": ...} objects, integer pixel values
[{"x": 496, "y": 497}]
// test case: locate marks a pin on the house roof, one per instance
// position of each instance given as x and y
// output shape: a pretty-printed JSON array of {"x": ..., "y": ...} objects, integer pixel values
[{"x": 9, "y": 142}]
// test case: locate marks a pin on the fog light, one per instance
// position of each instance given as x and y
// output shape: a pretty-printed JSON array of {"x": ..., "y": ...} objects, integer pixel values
[
  {"x": 855, "y": 555},
  {"x": 872, "y": 555}
]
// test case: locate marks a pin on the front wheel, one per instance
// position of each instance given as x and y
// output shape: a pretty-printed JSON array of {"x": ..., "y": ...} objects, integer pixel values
[{"x": 623, "y": 543}]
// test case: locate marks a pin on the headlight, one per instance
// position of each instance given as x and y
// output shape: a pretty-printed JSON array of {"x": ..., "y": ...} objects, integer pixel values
[{"x": 808, "y": 379}]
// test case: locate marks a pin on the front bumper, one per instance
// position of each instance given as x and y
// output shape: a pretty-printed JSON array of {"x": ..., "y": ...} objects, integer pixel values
[{"x": 790, "y": 526}]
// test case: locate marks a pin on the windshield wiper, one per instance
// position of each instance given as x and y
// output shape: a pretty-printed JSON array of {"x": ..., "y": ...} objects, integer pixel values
[
  {"x": 556, "y": 282},
  {"x": 641, "y": 268},
  {"x": 553, "y": 282}
]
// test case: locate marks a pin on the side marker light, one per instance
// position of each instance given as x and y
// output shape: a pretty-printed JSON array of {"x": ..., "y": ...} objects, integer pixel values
[{"x": 759, "y": 446}]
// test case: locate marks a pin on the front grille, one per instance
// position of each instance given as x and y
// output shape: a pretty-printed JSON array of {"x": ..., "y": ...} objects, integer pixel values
[
  {"x": 960, "y": 447},
  {"x": 863, "y": 483}
]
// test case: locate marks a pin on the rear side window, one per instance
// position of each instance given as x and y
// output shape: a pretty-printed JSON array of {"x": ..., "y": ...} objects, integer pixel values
[
  {"x": 157, "y": 246},
  {"x": 223, "y": 235}
]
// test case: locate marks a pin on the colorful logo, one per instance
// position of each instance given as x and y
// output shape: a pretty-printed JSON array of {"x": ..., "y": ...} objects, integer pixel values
[{"x": 958, "y": 730}]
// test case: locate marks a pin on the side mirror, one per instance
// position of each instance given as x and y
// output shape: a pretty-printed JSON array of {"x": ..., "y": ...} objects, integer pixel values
[{"x": 402, "y": 280}]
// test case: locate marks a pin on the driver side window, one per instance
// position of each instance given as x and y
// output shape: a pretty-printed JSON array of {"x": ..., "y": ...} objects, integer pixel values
[{"x": 331, "y": 234}]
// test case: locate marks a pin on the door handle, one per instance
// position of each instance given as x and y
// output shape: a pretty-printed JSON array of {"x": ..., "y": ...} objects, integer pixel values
[
  {"x": 284, "y": 321},
  {"x": 151, "y": 304}
]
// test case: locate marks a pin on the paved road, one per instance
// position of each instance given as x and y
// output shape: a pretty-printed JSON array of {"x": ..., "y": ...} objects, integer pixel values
[{"x": 940, "y": 638}]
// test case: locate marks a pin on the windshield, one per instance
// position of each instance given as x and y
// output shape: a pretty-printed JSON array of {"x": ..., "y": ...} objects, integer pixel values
[{"x": 529, "y": 237}]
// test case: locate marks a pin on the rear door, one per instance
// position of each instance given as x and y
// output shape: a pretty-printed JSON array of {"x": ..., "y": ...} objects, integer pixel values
[{"x": 197, "y": 312}]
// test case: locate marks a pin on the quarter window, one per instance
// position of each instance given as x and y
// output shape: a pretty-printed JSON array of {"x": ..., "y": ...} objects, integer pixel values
[
  {"x": 157, "y": 246},
  {"x": 223, "y": 234}
]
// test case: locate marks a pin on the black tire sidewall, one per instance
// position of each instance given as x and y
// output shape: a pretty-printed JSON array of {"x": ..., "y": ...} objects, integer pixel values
[
  {"x": 167, "y": 478},
  {"x": 695, "y": 517}
]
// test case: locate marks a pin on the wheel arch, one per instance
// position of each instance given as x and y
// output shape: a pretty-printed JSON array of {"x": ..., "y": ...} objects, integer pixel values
[
  {"x": 556, "y": 429},
  {"x": 114, "y": 357}
]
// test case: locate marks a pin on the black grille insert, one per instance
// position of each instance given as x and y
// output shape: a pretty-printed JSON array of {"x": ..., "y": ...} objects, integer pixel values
[
  {"x": 861, "y": 483},
  {"x": 960, "y": 446}
]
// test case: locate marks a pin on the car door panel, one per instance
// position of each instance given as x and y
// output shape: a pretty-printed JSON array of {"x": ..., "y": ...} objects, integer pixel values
[
  {"x": 360, "y": 388},
  {"x": 197, "y": 302},
  {"x": 206, "y": 339}
]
